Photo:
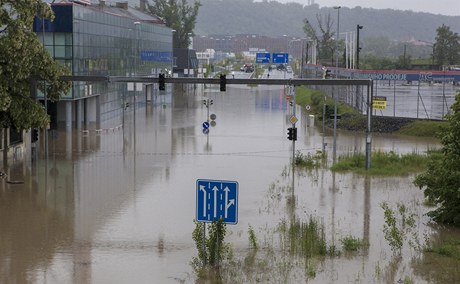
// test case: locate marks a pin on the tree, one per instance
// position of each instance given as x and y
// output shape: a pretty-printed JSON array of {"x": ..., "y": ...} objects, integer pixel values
[
  {"x": 441, "y": 180},
  {"x": 326, "y": 43},
  {"x": 179, "y": 16},
  {"x": 24, "y": 57},
  {"x": 404, "y": 62},
  {"x": 371, "y": 61},
  {"x": 447, "y": 46}
]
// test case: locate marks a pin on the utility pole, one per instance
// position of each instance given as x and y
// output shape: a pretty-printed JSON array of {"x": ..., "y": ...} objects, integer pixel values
[
  {"x": 334, "y": 147},
  {"x": 358, "y": 49}
]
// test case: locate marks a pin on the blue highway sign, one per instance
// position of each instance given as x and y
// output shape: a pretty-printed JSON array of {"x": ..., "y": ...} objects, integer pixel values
[
  {"x": 217, "y": 199},
  {"x": 280, "y": 58},
  {"x": 263, "y": 57}
]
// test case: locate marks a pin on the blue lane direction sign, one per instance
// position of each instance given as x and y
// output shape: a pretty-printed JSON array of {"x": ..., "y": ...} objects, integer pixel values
[
  {"x": 263, "y": 57},
  {"x": 280, "y": 58},
  {"x": 216, "y": 199},
  {"x": 205, "y": 125}
]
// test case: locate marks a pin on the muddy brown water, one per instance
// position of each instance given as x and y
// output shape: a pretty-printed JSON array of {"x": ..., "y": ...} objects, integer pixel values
[{"x": 118, "y": 206}]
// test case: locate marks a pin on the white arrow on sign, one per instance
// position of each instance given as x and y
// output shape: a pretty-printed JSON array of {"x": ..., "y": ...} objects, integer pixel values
[
  {"x": 204, "y": 199},
  {"x": 227, "y": 202},
  {"x": 215, "y": 189}
]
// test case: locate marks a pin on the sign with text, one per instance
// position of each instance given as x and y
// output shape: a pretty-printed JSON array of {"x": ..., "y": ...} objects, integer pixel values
[
  {"x": 379, "y": 102},
  {"x": 156, "y": 56},
  {"x": 263, "y": 57},
  {"x": 280, "y": 58}
]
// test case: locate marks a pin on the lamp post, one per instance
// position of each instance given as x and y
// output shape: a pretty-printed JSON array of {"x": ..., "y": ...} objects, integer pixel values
[
  {"x": 136, "y": 62},
  {"x": 188, "y": 54},
  {"x": 301, "y": 57},
  {"x": 433, "y": 46},
  {"x": 358, "y": 49},
  {"x": 136, "y": 25},
  {"x": 337, "y": 40},
  {"x": 334, "y": 148},
  {"x": 173, "y": 63}
]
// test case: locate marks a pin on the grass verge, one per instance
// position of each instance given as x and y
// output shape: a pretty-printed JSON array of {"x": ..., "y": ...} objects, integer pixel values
[
  {"x": 384, "y": 164},
  {"x": 422, "y": 128},
  {"x": 354, "y": 121},
  {"x": 449, "y": 248}
]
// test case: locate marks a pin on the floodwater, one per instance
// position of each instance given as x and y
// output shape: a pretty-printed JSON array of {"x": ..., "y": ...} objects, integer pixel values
[{"x": 117, "y": 205}]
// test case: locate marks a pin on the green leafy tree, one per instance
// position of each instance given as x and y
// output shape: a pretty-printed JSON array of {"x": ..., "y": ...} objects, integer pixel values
[
  {"x": 441, "y": 181},
  {"x": 447, "y": 46},
  {"x": 23, "y": 57},
  {"x": 179, "y": 16},
  {"x": 404, "y": 62},
  {"x": 372, "y": 61}
]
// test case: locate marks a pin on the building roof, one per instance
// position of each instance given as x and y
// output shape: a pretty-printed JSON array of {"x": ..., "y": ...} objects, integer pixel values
[{"x": 121, "y": 9}]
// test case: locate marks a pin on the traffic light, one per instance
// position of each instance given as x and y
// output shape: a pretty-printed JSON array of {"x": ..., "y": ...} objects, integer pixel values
[
  {"x": 292, "y": 133},
  {"x": 327, "y": 74},
  {"x": 34, "y": 135},
  {"x": 223, "y": 81},
  {"x": 161, "y": 82}
]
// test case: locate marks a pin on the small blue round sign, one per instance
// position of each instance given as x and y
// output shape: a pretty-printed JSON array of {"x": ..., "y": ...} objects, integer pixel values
[
  {"x": 205, "y": 125},
  {"x": 205, "y": 130}
]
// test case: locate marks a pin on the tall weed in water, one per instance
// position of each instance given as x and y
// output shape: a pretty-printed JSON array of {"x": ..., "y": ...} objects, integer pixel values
[
  {"x": 214, "y": 250},
  {"x": 305, "y": 238},
  {"x": 399, "y": 227}
]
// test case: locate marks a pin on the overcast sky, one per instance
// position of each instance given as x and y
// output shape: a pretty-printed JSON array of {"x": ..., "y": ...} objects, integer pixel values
[{"x": 444, "y": 7}]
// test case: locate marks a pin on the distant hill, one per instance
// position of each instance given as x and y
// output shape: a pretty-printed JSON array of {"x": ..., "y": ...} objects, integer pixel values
[{"x": 271, "y": 18}]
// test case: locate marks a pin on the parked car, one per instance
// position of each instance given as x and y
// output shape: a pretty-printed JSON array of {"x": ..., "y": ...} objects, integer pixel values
[
  {"x": 281, "y": 67},
  {"x": 248, "y": 68}
]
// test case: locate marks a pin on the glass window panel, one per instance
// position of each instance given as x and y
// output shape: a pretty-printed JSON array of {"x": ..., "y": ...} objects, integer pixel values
[
  {"x": 49, "y": 49},
  {"x": 68, "y": 51},
  {"x": 59, "y": 38},
  {"x": 59, "y": 51},
  {"x": 48, "y": 38},
  {"x": 68, "y": 39}
]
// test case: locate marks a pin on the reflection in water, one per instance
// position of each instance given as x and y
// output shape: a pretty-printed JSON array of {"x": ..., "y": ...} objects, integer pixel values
[
  {"x": 367, "y": 209},
  {"x": 440, "y": 267},
  {"x": 117, "y": 206}
]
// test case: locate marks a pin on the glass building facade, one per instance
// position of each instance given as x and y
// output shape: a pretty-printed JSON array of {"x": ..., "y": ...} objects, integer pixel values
[{"x": 105, "y": 41}]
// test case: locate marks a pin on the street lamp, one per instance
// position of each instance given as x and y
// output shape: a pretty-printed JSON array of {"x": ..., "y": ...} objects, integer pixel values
[
  {"x": 174, "y": 63},
  {"x": 433, "y": 46},
  {"x": 358, "y": 49},
  {"x": 337, "y": 40},
  {"x": 136, "y": 24},
  {"x": 188, "y": 54},
  {"x": 334, "y": 149}
]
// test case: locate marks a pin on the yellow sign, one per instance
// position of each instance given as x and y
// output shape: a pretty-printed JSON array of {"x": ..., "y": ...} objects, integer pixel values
[{"x": 379, "y": 102}]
